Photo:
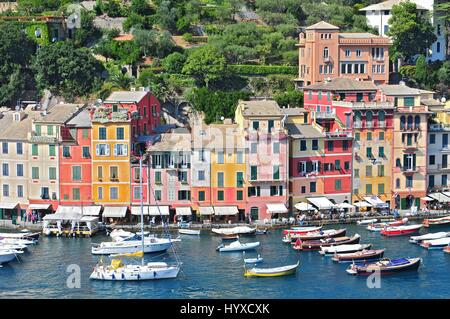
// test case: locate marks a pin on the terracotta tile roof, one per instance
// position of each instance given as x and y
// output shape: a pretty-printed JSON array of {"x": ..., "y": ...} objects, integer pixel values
[
  {"x": 343, "y": 84},
  {"x": 322, "y": 25}
]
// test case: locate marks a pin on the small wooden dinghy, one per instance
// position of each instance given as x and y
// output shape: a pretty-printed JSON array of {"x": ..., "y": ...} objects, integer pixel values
[
  {"x": 272, "y": 272},
  {"x": 189, "y": 231},
  {"x": 430, "y": 236},
  {"x": 361, "y": 256},
  {"x": 385, "y": 266},
  {"x": 329, "y": 233},
  {"x": 317, "y": 244},
  {"x": 436, "y": 221}
]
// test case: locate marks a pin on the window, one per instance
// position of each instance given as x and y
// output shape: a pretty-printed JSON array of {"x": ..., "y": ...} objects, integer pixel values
[
  {"x": 137, "y": 192},
  {"x": 19, "y": 169},
  {"x": 220, "y": 195},
  {"x": 113, "y": 172},
  {"x": 201, "y": 196},
  {"x": 120, "y": 149},
  {"x": 66, "y": 151},
  {"x": 417, "y": 122},
  {"x": 338, "y": 184},
  {"x": 102, "y": 149},
  {"x": 369, "y": 136},
  {"x": 19, "y": 148},
  {"x": 220, "y": 179},
  {"x": 357, "y": 136},
  {"x": 276, "y": 147},
  {"x": 347, "y": 52},
  {"x": 37, "y": 129},
  {"x": 356, "y": 172},
  {"x": 444, "y": 140},
  {"x": 315, "y": 145},
  {"x": 220, "y": 158},
  {"x": 369, "y": 170},
  {"x": 255, "y": 125},
  {"x": 34, "y": 150},
  {"x": 5, "y": 147},
  {"x": 5, "y": 169},
  {"x": 347, "y": 165},
  {"x": 44, "y": 193},
  {"x": 5, "y": 190},
  {"x": 52, "y": 150},
  {"x": 184, "y": 195},
  {"x": 438, "y": 47},
  {"x": 240, "y": 157},
  {"x": 303, "y": 189},
  {"x": 76, "y": 173},
  {"x": 408, "y": 101},
  {"x": 201, "y": 175},
  {"x": 432, "y": 160},
  {"x": 85, "y": 133},
  {"x": 381, "y": 151},
  {"x": 50, "y": 130},
  {"x": 76, "y": 194},
  {"x": 380, "y": 170},
  {"x": 120, "y": 135},
  {"x": 369, "y": 152},
  {"x": 328, "y": 96},
  {"x": 100, "y": 192},
  {"x": 239, "y": 195},
  {"x": 302, "y": 145},
  {"x": 326, "y": 53},
  {"x": 444, "y": 180},
  {"x": 330, "y": 145},
  {"x": 52, "y": 173},
  {"x": 270, "y": 125},
  {"x": 312, "y": 187},
  {"x": 102, "y": 133},
  {"x": 239, "y": 179},
  {"x": 276, "y": 172},
  {"x": 182, "y": 176},
  {"x": 113, "y": 193},
  {"x": 432, "y": 138},
  {"x": 368, "y": 188},
  {"x": 99, "y": 172},
  {"x": 381, "y": 136},
  {"x": 86, "y": 153},
  {"x": 158, "y": 177},
  {"x": 409, "y": 181},
  {"x": 369, "y": 118},
  {"x": 345, "y": 145},
  {"x": 337, "y": 165},
  {"x": 253, "y": 173},
  {"x": 19, "y": 190}
]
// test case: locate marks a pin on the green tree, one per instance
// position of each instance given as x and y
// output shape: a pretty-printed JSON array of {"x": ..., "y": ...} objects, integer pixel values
[
  {"x": 174, "y": 62},
  {"x": 291, "y": 98},
  {"x": 13, "y": 62},
  {"x": 412, "y": 33},
  {"x": 444, "y": 74},
  {"x": 74, "y": 71},
  {"x": 141, "y": 7},
  {"x": 422, "y": 70},
  {"x": 206, "y": 64},
  {"x": 30, "y": 7}
]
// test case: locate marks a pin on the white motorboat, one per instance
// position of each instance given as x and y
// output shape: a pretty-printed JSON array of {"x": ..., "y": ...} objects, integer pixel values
[
  {"x": 430, "y": 236},
  {"x": 189, "y": 231},
  {"x": 436, "y": 243},
  {"x": 237, "y": 246},
  {"x": 239, "y": 230},
  {"x": 16, "y": 241},
  {"x": 13, "y": 246},
  {"x": 151, "y": 245},
  {"x": 367, "y": 221},
  {"x": 120, "y": 234},
  {"x": 117, "y": 271},
  {"x": 23, "y": 235},
  {"x": 329, "y": 251},
  {"x": 256, "y": 260},
  {"x": 7, "y": 256}
]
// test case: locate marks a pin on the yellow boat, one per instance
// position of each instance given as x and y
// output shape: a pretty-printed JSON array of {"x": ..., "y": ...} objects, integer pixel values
[{"x": 272, "y": 272}]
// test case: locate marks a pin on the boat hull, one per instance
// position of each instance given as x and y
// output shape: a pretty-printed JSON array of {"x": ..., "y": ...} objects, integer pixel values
[
  {"x": 318, "y": 236},
  {"x": 189, "y": 231},
  {"x": 130, "y": 248},
  {"x": 244, "y": 247},
  {"x": 400, "y": 231},
  {"x": 328, "y": 252},
  {"x": 272, "y": 272},
  {"x": 310, "y": 246},
  {"x": 352, "y": 257},
  {"x": 6, "y": 257},
  {"x": 127, "y": 274},
  {"x": 367, "y": 270}
]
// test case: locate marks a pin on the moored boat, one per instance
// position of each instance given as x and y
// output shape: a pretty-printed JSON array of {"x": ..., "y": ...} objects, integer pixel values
[
  {"x": 21, "y": 235},
  {"x": 385, "y": 266},
  {"x": 256, "y": 260},
  {"x": 436, "y": 221},
  {"x": 272, "y": 272},
  {"x": 151, "y": 245},
  {"x": 301, "y": 230},
  {"x": 317, "y": 244},
  {"x": 189, "y": 231},
  {"x": 367, "y": 221},
  {"x": 237, "y": 246},
  {"x": 316, "y": 235},
  {"x": 342, "y": 249},
  {"x": 7, "y": 256},
  {"x": 361, "y": 256},
  {"x": 440, "y": 243},
  {"x": 377, "y": 227},
  {"x": 239, "y": 230},
  {"x": 400, "y": 230},
  {"x": 430, "y": 236},
  {"x": 447, "y": 249},
  {"x": 230, "y": 237}
]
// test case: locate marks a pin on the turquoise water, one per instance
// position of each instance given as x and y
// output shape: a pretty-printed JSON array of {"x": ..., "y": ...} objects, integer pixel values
[{"x": 210, "y": 274}]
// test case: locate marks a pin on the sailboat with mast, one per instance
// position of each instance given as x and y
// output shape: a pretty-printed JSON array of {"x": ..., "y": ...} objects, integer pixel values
[{"x": 119, "y": 271}]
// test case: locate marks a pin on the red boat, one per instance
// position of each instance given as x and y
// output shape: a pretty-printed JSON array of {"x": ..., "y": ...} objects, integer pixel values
[{"x": 400, "y": 230}]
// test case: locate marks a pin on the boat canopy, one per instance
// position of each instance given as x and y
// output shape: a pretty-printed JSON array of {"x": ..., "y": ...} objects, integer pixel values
[
  {"x": 183, "y": 211},
  {"x": 206, "y": 210},
  {"x": 278, "y": 208},
  {"x": 362, "y": 204},
  {"x": 115, "y": 211},
  {"x": 65, "y": 213},
  {"x": 441, "y": 198},
  {"x": 91, "y": 210},
  {"x": 376, "y": 202},
  {"x": 226, "y": 210},
  {"x": 39, "y": 206},
  {"x": 8, "y": 205},
  {"x": 303, "y": 207},
  {"x": 321, "y": 202},
  {"x": 157, "y": 210},
  {"x": 136, "y": 210},
  {"x": 427, "y": 199}
]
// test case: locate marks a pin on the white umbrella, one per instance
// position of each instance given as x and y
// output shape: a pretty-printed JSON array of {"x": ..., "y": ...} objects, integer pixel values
[{"x": 305, "y": 207}]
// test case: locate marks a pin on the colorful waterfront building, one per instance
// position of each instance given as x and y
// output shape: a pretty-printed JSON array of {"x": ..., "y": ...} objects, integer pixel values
[
  {"x": 326, "y": 53},
  {"x": 266, "y": 142},
  {"x": 48, "y": 131},
  {"x": 75, "y": 165},
  {"x": 409, "y": 144},
  {"x": 170, "y": 174},
  {"x": 14, "y": 127}
]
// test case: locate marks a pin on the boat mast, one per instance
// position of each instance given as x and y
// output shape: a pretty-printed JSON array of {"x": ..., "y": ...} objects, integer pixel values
[{"x": 142, "y": 207}]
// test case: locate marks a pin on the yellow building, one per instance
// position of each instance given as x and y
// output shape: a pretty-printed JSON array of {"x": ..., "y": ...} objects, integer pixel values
[{"x": 111, "y": 145}]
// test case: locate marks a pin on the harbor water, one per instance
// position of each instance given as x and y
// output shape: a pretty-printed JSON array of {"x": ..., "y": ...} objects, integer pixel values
[{"x": 206, "y": 273}]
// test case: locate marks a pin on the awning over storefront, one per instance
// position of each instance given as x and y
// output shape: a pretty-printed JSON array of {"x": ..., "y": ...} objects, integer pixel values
[
  {"x": 158, "y": 210},
  {"x": 427, "y": 199},
  {"x": 321, "y": 202},
  {"x": 376, "y": 202},
  {"x": 115, "y": 211},
  {"x": 136, "y": 210},
  {"x": 206, "y": 210},
  {"x": 225, "y": 210},
  {"x": 362, "y": 204},
  {"x": 8, "y": 205},
  {"x": 445, "y": 193},
  {"x": 183, "y": 211},
  {"x": 38, "y": 206},
  {"x": 304, "y": 207},
  {"x": 278, "y": 208},
  {"x": 441, "y": 198},
  {"x": 345, "y": 205},
  {"x": 91, "y": 210}
]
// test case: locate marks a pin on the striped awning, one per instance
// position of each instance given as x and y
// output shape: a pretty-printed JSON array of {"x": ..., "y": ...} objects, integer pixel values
[
  {"x": 183, "y": 211},
  {"x": 115, "y": 211},
  {"x": 206, "y": 210}
]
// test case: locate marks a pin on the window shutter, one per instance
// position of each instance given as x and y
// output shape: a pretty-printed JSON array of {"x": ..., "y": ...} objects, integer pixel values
[
  {"x": 125, "y": 149},
  {"x": 107, "y": 150}
]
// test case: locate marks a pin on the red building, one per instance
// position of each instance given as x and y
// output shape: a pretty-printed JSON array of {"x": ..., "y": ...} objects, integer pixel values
[{"x": 76, "y": 163}]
